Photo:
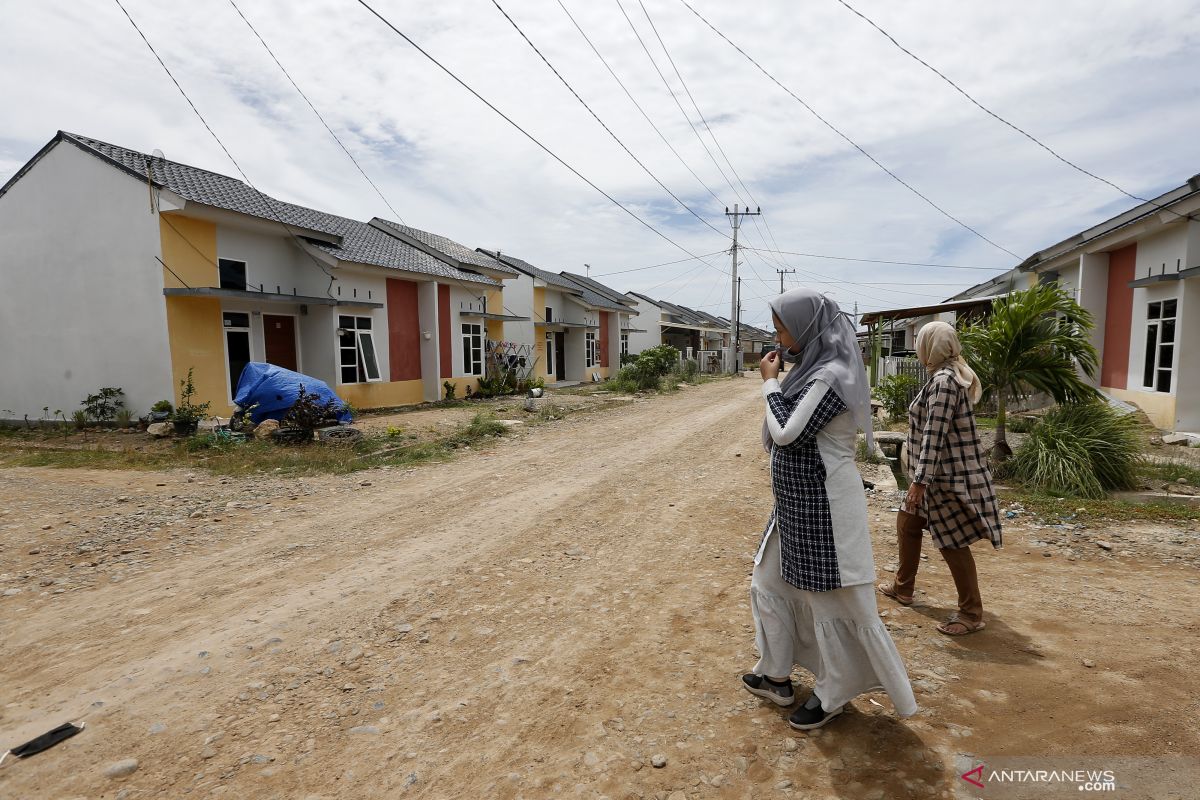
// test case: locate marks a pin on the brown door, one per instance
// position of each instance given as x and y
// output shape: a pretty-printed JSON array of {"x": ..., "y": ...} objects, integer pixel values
[{"x": 280, "y": 335}]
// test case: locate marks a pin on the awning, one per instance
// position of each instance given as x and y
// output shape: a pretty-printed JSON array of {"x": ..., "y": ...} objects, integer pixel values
[
  {"x": 501, "y": 317},
  {"x": 633, "y": 330},
  {"x": 561, "y": 324},
  {"x": 266, "y": 297},
  {"x": 1150, "y": 280},
  {"x": 921, "y": 311}
]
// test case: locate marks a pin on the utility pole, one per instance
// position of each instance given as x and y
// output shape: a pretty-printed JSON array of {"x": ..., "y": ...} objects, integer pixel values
[
  {"x": 737, "y": 323},
  {"x": 736, "y": 221},
  {"x": 783, "y": 272},
  {"x": 587, "y": 270}
]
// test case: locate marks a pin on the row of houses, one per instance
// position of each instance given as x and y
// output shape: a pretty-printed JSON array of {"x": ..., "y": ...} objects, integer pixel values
[
  {"x": 132, "y": 270},
  {"x": 1137, "y": 273}
]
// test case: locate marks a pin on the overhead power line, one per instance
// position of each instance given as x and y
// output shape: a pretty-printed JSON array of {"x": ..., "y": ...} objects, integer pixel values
[
  {"x": 524, "y": 132},
  {"x": 999, "y": 118},
  {"x": 336, "y": 138},
  {"x": 607, "y": 129},
  {"x": 850, "y": 141},
  {"x": 270, "y": 201},
  {"x": 883, "y": 261}
]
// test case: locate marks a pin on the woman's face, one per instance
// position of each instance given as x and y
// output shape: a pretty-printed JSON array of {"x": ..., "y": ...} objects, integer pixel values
[{"x": 781, "y": 334}]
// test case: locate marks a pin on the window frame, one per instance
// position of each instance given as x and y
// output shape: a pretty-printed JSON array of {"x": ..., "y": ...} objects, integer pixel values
[
  {"x": 590, "y": 357},
  {"x": 231, "y": 388},
  {"x": 1153, "y": 371},
  {"x": 472, "y": 353},
  {"x": 245, "y": 287},
  {"x": 362, "y": 366}
]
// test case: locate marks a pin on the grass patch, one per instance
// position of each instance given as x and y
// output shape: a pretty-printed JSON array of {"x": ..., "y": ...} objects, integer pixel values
[
  {"x": 255, "y": 457},
  {"x": 1170, "y": 472},
  {"x": 1052, "y": 508},
  {"x": 985, "y": 423}
]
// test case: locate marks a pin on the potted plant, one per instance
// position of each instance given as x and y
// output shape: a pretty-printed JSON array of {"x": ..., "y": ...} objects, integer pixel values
[
  {"x": 160, "y": 411},
  {"x": 187, "y": 415}
]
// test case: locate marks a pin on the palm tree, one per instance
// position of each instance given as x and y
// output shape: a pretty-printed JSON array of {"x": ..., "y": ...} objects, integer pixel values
[{"x": 1034, "y": 340}]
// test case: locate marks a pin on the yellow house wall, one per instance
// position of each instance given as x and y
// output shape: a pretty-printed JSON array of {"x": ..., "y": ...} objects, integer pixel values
[
  {"x": 461, "y": 386},
  {"x": 194, "y": 327},
  {"x": 382, "y": 395},
  {"x": 539, "y": 353},
  {"x": 197, "y": 342},
  {"x": 196, "y": 268},
  {"x": 1159, "y": 407},
  {"x": 495, "y": 305}
]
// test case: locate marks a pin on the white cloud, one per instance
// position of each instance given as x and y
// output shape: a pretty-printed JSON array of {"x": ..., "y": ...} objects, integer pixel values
[{"x": 1112, "y": 87}]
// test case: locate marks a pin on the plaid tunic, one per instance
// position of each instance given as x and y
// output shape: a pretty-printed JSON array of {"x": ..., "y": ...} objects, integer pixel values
[
  {"x": 944, "y": 454},
  {"x": 821, "y": 547}
]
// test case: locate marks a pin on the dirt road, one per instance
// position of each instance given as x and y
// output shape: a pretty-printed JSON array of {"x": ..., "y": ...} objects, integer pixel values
[{"x": 537, "y": 619}]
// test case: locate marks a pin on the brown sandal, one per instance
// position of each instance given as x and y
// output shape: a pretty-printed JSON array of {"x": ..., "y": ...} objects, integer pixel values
[
  {"x": 966, "y": 629},
  {"x": 889, "y": 590}
]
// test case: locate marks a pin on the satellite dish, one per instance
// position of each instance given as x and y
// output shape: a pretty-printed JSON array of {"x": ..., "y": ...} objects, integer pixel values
[{"x": 157, "y": 153}]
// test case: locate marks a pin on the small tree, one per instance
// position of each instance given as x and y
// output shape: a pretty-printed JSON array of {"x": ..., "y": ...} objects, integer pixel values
[
  {"x": 104, "y": 405},
  {"x": 1034, "y": 340},
  {"x": 187, "y": 415},
  {"x": 896, "y": 392},
  {"x": 308, "y": 412}
]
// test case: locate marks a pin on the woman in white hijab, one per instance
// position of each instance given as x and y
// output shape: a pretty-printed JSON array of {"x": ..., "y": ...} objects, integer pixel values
[
  {"x": 811, "y": 594},
  {"x": 951, "y": 490}
]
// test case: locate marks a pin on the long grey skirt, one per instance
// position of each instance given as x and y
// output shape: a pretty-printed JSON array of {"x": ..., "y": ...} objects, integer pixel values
[{"x": 836, "y": 635}]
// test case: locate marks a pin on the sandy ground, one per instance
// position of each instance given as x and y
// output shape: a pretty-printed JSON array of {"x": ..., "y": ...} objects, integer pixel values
[{"x": 540, "y": 619}]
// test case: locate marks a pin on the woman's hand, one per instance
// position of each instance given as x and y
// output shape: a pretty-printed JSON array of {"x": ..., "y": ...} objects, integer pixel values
[
  {"x": 769, "y": 366},
  {"x": 912, "y": 501}
]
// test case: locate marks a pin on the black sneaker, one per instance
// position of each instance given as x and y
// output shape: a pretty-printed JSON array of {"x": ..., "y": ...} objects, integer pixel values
[
  {"x": 807, "y": 719},
  {"x": 781, "y": 694}
]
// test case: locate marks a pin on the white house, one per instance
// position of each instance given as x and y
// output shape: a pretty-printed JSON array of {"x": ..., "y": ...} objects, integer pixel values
[{"x": 123, "y": 269}]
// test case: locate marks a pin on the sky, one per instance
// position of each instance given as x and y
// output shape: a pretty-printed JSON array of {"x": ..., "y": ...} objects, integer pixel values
[{"x": 1111, "y": 86}]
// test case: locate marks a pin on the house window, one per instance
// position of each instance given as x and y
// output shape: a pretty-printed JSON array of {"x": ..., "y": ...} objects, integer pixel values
[
  {"x": 1160, "y": 345},
  {"x": 232, "y": 273},
  {"x": 549, "y": 314},
  {"x": 356, "y": 351},
  {"x": 591, "y": 349},
  {"x": 624, "y": 344},
  {"x": 237, "y": 346},
  {"x": 472, "y": 338}
]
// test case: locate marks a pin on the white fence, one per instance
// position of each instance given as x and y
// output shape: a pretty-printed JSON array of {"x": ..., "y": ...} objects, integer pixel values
[{"x": 711, "y": 362}]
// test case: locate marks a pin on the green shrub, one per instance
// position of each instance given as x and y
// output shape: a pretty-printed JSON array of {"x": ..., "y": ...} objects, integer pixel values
[
  {"x": 162, "y": 405},
  {"x": 689, "y": 371},
  {"x": 188, "y": 414},
  {"x": 896, "y": 392},
  {"x": 659, "y": 360},
  {"x": 80, "y": 419},
  {"x": 1079, "y": 449},
  {"x": 449, "y": 389},
  {"x": 104, "y": 405}
]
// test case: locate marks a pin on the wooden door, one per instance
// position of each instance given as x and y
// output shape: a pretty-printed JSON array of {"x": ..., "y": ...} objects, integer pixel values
[{"x": 279, "y": 334}]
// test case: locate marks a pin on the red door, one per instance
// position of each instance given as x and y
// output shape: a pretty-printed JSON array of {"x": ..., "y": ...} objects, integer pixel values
[{"x": 279, "y": 333}]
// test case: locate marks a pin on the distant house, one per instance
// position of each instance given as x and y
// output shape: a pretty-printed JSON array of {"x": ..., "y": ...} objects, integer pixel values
[
  {"x": 616, "y": 315},
  {"x": 575, "y": 330},
  {"x": 1138, "y": 273},
  {"x": 124, "y": 269}
]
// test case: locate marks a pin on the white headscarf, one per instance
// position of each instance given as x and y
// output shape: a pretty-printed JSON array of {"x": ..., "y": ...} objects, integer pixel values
[
  {"x": 828, "y": 351},
  {"x": 937, "y": 347}
]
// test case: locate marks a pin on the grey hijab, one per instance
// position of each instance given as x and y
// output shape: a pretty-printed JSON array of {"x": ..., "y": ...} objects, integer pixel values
[{"x": 828, "y": 352}]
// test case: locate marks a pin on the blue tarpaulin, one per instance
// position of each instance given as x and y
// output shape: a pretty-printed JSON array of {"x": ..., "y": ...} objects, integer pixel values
[{"x": 275, "y": 390}]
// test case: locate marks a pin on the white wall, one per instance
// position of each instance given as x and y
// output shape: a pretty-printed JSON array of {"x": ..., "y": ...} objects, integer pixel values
[
  {"x": 82, "y": 304},
  {"x": 648, "y": 318},
  {"x": 558, "y": 305},
  {"x": 1187, "y": 359},
  {"x": 518, "y": 301},
  {"x": 1169, "y": 247},
  {"x": 1093, "y": 296},
  {"x": 462, "y": 298}
]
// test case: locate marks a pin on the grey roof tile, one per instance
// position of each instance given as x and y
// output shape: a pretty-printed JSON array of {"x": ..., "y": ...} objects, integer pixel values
[
  {"x": 467, "y": 256},
  {"x": 359, "y": 242},
  {"x": 612, "y": 295},
  {"x": 549, "y": 278}
]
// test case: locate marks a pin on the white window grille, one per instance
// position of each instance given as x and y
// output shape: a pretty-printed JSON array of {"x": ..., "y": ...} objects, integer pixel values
[
  {"x": 472, "y": 338},
  {"x": 356, "y": 351},
  {"x": 1160, "y": 345}
]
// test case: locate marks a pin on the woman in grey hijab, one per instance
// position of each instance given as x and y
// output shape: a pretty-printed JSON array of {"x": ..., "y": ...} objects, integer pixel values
[{"x": 811, "y": 594}]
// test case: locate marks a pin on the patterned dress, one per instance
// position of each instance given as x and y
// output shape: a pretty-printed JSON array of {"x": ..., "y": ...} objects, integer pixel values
[
  {"x": 944, "y": 453},
  {"x": 811, "y": 594}
]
